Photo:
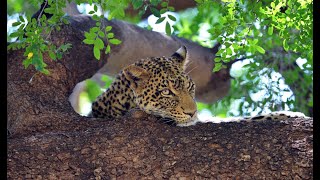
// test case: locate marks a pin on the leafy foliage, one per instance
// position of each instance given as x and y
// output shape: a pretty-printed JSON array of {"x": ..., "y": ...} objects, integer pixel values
[
  {"x": 34, "y": 37},
  {"x": 273, "y": 33},
  {"x": 96, "y": 34},
  {"x": 159, "y": 13}
]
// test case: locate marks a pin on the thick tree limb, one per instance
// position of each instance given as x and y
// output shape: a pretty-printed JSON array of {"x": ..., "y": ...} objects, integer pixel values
[
  {"x": 134, "y": 148},
  {"x": 50, "y": 140}
]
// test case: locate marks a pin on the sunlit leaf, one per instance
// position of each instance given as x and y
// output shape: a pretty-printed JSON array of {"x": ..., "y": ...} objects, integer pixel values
[
  {"x": 155, "y": 12},
  {"x": 96, "y": 52},
  {"x": 171, "y": 17},
  {"x": 98, "y": 43},
  {"x": 88, "y": 41},
  {"x": 168, "y": 28},
  {"x": 160, "y": 20},
  {"x": 114, "y": 41},
  {"x": 285, "y": 45},
  {"x": 108, "y": 28},
  {"x": 260, "y": 49},
  {"x": 270, "y": 30}
]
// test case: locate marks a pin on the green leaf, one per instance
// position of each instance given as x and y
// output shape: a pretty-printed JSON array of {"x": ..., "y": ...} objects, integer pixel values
[
  {"x": 27, "y": 62},
  {"x": 88, "y": 41},
  {"x": 21, "y": 18},
  {"x": 160, "y": 20},
  {"x": 49, "y": 10},
  {"x": 114, "y": 41},
  {"x": 155, "y": 2},
  {"x": 235, "y": 46},
  {"x": 163, "y": 11},
  {"x": 65, "y": 21},
  {"x": 98, "y": 43},
  {"x": 171, "y": 8},
  {"x": 108, "y": 28},
  {"x": 254, "y": 41},
  {"x": 108, "y": 49},
  {"x": 16, "y": 23},
  {"x": 100, "y": 33},
  {"x": 164, "y": 4},
  {"x": 59, "y": 55},
  {"x": 155, "y": 12},
  {"x": 95, "y": 8},
  {"x": 217, "y": 59},
  {"x": 229, "y": 51},
  {"x": 260, "y": 49},
  {"x": 94, "y": 29},
  {"x": 270, "y": 30},
  {"x": 171, "y": 17},
  {"x": 285, "y": 45},
  {"x": 15, "y": 34},
  {"x": 58, "y": 28},
  {"x": 110, "y": 35},
  {"x": 52, "y": 55},
  {"x": 95, "y": 17},
  {"x": 168, "y": 29},
  {"x": 45, "y": 71},
  {"x": 217, "y": 67},
  {"x": 272, "y": 4},
  {"x": 65, "y": 47},
  {"x": 89, "y": 35},
  {"x": 96, "y": 52},
  {"x": 137, "y": 4}
]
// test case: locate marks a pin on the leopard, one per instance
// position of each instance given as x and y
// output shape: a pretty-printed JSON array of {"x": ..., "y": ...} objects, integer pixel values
[
  {"x": 161, "y": 87},
  {"x": 156, "y": 85}
]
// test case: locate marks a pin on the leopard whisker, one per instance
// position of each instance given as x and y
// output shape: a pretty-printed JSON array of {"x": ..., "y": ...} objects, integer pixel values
[
  {"x": 188, "y": 64},
  {"x": 191, "y": 70}
]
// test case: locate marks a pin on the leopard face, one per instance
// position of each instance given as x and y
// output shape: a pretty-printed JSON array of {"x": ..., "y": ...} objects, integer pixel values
[
  {"x": 158, "y": 86},
  {"x": 168, "y": 92}
]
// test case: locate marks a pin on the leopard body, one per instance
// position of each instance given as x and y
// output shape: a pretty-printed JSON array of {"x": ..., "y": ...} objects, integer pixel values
[{"x": 159, "y": 86}]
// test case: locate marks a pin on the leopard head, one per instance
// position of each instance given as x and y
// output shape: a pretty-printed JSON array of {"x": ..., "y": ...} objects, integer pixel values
[{"x": 161, "y": 87}]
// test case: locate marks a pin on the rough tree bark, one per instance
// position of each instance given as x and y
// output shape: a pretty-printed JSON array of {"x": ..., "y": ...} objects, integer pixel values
[{"x": 50, "y": 141}]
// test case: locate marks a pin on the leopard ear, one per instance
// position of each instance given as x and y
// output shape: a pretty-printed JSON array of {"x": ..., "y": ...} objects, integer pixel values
[
  {"x": 136, "y": 75},
  {"x": 180, "y": 57}
]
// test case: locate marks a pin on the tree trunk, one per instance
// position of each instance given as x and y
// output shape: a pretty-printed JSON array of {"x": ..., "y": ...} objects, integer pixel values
[{"x": 50, "y": 141}]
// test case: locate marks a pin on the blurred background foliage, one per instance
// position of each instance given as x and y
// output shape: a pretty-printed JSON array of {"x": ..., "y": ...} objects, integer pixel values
[{"x": 274, "y": 37}]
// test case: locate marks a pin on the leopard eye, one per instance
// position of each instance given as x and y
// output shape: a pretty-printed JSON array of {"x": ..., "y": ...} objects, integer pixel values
[{"x": 165, "y": 92}]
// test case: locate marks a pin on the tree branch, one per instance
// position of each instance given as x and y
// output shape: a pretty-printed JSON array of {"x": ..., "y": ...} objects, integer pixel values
[{"x": 50, "y": 140}]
